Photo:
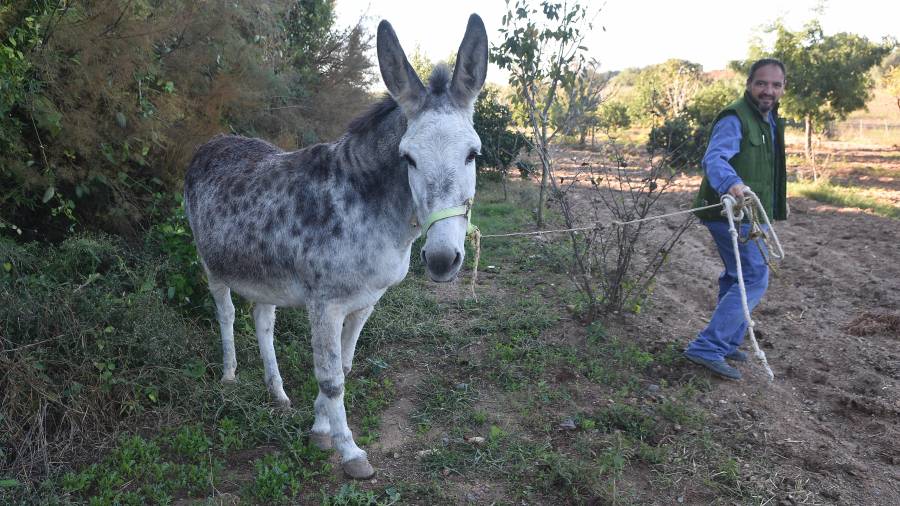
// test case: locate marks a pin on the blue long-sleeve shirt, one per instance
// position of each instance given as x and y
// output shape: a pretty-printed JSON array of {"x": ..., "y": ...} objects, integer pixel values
[{"x": 724, "y": 143}]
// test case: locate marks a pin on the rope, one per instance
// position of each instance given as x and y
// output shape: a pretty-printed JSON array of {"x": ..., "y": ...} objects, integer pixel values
[
  {"x": 475, "y": 234},
  {"x": 729, "y": 202},
  {"x": 598, "y": 224}
]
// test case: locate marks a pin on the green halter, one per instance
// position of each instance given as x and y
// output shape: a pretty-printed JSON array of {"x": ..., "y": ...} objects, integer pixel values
[{"x": 463, "y": 210}]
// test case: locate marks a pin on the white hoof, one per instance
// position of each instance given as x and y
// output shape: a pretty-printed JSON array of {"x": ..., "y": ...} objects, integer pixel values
[{"x": 358, "y": 468}]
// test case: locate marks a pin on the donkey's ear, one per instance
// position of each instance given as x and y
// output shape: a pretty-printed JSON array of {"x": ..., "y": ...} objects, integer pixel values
[
  {"x": 401, "y": 80},
  {"x": 471, "y": 63}
]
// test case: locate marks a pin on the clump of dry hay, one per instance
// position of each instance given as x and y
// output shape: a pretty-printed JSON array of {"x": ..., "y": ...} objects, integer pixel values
[{"x": 875, "y": 323}]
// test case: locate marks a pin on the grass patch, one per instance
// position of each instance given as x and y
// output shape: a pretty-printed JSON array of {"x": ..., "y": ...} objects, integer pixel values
[{"x": 843, "y": 196}]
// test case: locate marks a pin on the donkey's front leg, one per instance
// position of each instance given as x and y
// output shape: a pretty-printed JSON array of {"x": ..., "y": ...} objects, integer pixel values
[
  {"x": 225, "y": 314},
  {"x": 353, "y": 325},
  {"x": 326, "y": 344},
  {"x": 264, "y": 320}
]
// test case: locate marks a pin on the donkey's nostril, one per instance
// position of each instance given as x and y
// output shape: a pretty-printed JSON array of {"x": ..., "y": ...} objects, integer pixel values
[{"x": 456, "y": 261}]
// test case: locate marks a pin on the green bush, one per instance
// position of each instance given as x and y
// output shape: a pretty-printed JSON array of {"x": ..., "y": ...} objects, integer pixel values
[
  {"x": 500, "y": 145},
  {"x": 684, "y": 137},
  {"x": 102, "y": 103},
  {"x": 614, "y": 115},
  {"x": 181, "y": 273}
]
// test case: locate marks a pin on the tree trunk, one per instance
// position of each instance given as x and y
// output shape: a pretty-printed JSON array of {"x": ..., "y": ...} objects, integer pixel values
[
  {"x": 544, "y": 174},
  {"x": 807, "y": 121}
]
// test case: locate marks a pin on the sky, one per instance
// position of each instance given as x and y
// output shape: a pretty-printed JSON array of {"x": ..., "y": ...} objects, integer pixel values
[{"x": 630, "y": 33}]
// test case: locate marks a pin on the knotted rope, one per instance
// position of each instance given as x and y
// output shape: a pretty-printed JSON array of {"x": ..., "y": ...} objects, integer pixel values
[{"x": 755, "y": 234}]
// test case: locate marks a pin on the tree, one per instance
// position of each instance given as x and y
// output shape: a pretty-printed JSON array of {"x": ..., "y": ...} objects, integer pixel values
[
  {"x": 102, "y": 103},
  {"x": 891, "y": 80},
  {"x": 577, "y": 112},
  {"x": 664, "y": 90},
  {"x": 827, "y": 75},
  {"x": 543, "y": 53},
  {"x": 684, "y": 136},
  {"x": 613, "y": 115}
]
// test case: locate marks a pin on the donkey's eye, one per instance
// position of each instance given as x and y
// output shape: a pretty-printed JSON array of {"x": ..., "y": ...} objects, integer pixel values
[
  {"x": 410, "y": 161},
  {"x": 471, "y": 157}
]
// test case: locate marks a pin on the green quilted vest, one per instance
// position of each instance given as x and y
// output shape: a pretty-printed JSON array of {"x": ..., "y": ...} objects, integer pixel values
[{"x": 754, "y": 163}]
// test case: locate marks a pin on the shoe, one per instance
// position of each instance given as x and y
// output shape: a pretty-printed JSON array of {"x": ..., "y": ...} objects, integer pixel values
[
  {"x": 719, "y": 367},
  {"x": 736, "y": 356}
]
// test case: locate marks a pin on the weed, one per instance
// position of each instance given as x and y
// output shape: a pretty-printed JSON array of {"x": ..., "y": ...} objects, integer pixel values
[
  {"x": 442, "y": 401},
  {"x": 350, "y": 495},
  {"x": 229, "y": 434},
  {"x": 627, "y": 419},
  {"x": 191, "y": 443},
  {"x": 274, "y": 482}
]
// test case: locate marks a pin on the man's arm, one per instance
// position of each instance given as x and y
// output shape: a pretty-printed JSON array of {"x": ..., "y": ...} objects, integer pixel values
[{"x": 724, "y": 143}]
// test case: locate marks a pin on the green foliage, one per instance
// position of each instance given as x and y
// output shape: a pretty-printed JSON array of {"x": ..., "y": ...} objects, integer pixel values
[
  {"x": 103, "y": 103},
  {"x": 421, "y": 63},
  {"x": 824, "y": 190},
  {"x": 543, "y": 54},
  {"x": 86, "y": 327},
  {"x": 274, "y": 482},
  {"x": 138, "y": 472},
  {"x": 182, "y": 274},
  {"x": 684, "y": 137},
  {"x": 350, "y": 495},
  {"x": 664, "y": 90},
  {"x": 613, "y": 115},
  {"x": 500, "y": 145},
  {"x": 892, "y": 82},
  {"x": 827, "y": 75}
]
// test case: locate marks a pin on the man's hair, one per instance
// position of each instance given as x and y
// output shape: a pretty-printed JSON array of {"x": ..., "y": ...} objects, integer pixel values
[{"x": 762, "y": 63}]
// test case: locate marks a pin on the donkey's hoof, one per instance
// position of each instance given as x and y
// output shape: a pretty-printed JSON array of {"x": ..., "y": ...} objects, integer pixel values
[
  {"x": 322, "y": 440},
  {"x": 283, "y": 403},
  {"x": 359, "y": 468},
  {"x": 229, "y": 380}
]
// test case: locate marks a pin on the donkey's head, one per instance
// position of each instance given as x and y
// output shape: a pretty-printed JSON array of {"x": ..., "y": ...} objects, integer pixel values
[{"x": 440, "y": 144}]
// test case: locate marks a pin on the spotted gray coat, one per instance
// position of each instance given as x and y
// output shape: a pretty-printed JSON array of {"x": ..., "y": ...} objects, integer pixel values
[{"x": 330, "y": 227}]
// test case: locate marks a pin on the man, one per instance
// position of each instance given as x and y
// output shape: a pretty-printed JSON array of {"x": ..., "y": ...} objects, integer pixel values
[{"x": 746, "y": 151}]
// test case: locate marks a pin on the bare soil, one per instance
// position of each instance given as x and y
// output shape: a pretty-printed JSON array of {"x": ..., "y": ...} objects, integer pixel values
[{"x": 830, "y": 328}]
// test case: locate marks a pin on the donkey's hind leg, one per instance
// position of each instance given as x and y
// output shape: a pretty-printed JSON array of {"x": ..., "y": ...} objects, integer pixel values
[
  {"x": 353, "y": 325},
  {"x": 225, "y": 314},
  {"x": 264, "y": 321}
]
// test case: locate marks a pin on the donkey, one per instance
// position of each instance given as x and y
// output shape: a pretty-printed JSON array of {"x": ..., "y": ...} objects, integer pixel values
[{"x": 331, "y": 227}]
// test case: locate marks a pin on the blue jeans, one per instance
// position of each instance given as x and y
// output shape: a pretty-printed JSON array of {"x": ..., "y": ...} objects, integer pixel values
[{"x": 727, "y": 326}]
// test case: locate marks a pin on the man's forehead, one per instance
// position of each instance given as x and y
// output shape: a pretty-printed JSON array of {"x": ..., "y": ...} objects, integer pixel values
[{"x": 769, "y": 73}]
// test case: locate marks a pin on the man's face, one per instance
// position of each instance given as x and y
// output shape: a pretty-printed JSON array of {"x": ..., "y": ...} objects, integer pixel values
[{"x": 766, "y": 86}]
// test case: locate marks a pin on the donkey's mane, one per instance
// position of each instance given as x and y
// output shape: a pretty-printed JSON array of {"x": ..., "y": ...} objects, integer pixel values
[
  {"x": 372, "y": 117},
  {"x": 439, "y": 80},
  {"x": 438, "y": 84}
]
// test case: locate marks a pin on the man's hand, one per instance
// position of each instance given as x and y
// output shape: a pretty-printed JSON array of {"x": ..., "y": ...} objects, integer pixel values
[{"x": 737, "y": 191}]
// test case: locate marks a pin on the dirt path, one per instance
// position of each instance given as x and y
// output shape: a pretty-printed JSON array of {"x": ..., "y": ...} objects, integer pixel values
[{"x": 830, "y": 327}]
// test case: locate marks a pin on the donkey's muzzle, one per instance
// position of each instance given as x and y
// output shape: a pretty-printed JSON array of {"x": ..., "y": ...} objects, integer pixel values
[{"x": 442, "y": 266}]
